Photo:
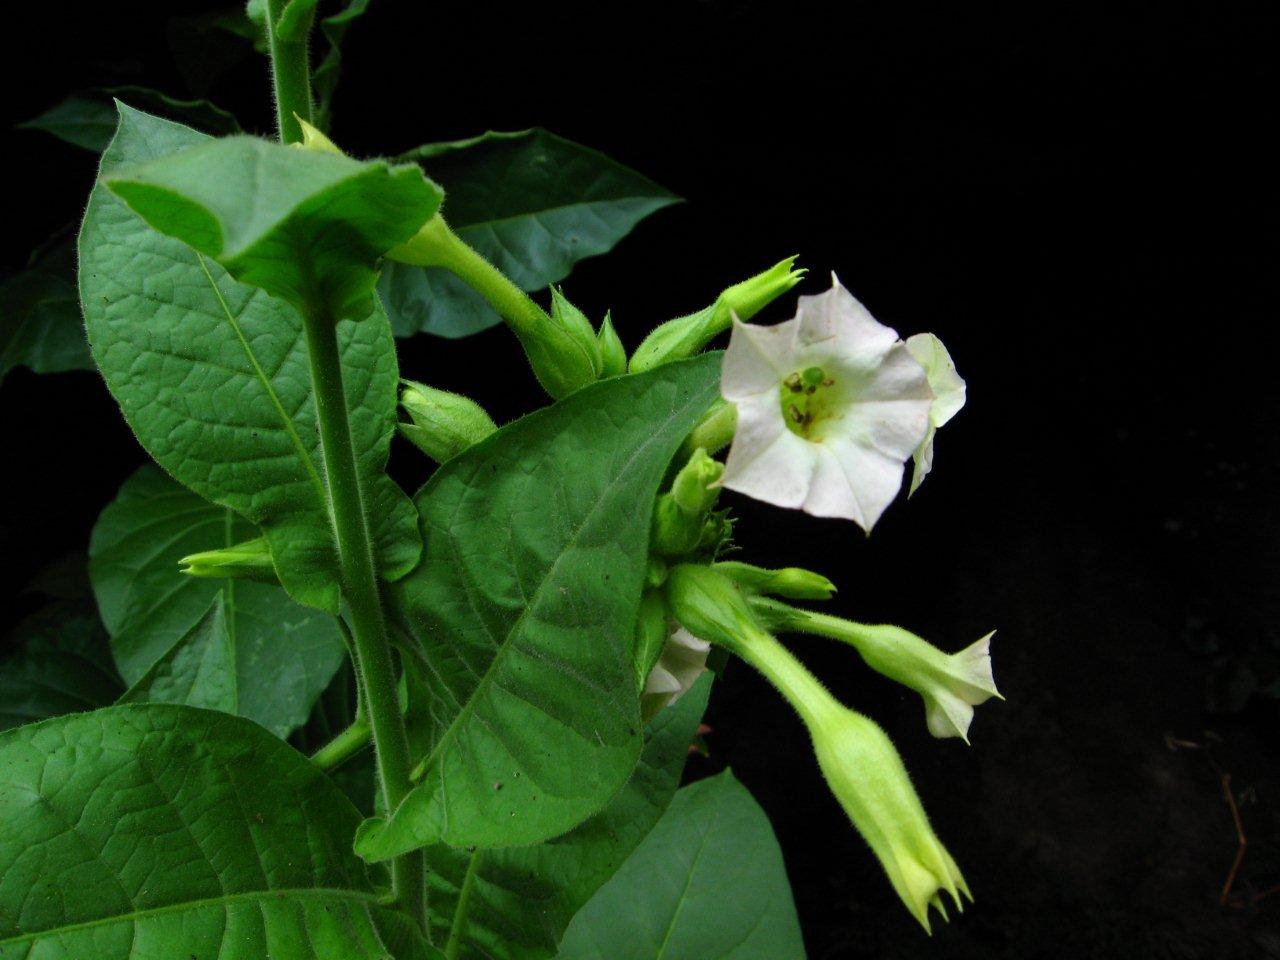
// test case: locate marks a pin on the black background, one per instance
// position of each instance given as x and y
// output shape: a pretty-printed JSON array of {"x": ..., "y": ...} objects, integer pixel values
[{"x": 1080, "y": 202}]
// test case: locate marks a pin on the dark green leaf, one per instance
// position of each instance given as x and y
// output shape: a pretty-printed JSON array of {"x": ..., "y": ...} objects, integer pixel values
[
  {"x": 88, "y": 119},
  {"x": 307, "y": 226},
  {"x": 707, "y": 882},
  {"x": 324, "y": 79},
  {"x": 213, "y": 377},
  {"x": 525, "y": 608},
  {"x": 60, "y": 662},
  {"x": 522, "y": 898},
  {"x": 40, "y": 324},
  {"x": 530, "y": 202},
  {"x": 157, "y": 832},
  {"x": 228, "y": 645}
]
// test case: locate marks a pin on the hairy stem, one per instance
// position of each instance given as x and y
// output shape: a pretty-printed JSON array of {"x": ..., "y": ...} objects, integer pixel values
[
  {"x": 291, "y": 76},
  {"x": 374, "y": 663},
  {"x": 342, "y": 747},
  {"x": 458, "y": 929}
]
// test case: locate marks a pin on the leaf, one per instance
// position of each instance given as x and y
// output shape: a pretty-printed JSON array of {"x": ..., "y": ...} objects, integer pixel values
[
  {"x": 214, "y": 379},
  {"x": 522, "y": 898},
  {"x": 525, "y": 606},
  {"x": 60, "y": 663},
  {"x": 307, "y": 226},
  {"x": 707, "y": 882},
  {"x": 40, "y": 324},
  {"x": 531, "y": 203},
  {"x": 88, "y": 119},
  {"x": 228, "y": 645},
  {"x": 324, "y": 79},
  {"x": 154, "y": 832}
]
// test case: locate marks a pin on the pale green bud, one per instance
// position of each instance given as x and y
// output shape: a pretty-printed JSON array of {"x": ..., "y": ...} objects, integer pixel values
[
  {"x": 442, "y": 424},
  {"x": 250, "y": 560},
  {"x": 792, "y": 582},
  {"x": 613, "y": 355},
  {"x": 685, "y": 336},
  {"x": 576, "y": 324},
  {"x": 680, "y": 515},
  {"x": 714, "y": 431},
  {"x": 313, "y": 139}
]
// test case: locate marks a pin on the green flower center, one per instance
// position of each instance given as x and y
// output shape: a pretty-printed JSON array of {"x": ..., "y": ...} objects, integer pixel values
[{"x": 806, "y": 397}]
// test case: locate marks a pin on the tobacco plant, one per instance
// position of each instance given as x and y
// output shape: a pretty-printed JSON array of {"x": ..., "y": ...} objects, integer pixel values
[{"x": 313, "y": 715}]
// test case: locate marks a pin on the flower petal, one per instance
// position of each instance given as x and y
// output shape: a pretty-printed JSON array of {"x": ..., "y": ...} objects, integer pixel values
[
  {"x": 758, "y": 359},
  {"x": 947, "y": 385},
  {"x": 767, "y": 461},
  {"x": 853, "y": 482}
]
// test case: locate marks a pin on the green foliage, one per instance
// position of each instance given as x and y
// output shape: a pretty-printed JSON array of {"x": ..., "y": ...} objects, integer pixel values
[
  {"x": 151, "y": 832},
  {"x": 88, "y": 119},
  {"x": 525, "y": 608},
  {"x": 213, "y": 377},
  {"x": 229, "y": 645},
  {"x": 521, "y": 899},
  {"x": 40, "y": 325},
  {"x": 533, "y": 204},
  {"x": 707, "y": 882},
  {"x": 59, "y": 662}
]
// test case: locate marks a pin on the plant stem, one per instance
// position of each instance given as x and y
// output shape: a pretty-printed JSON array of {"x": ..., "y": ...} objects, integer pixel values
[
  {"x": 458, "y": 928},
  {"x": 374, "y": 663},
  {"x": 342, "y": 747},
  {"x": 291, "y": 75}
]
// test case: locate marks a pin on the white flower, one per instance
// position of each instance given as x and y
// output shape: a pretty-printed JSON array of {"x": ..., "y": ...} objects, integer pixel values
[
  {"x": 830, "y": 406},
  {"x": 682, "y": 661},
  {"x": 948, "y": 391}
]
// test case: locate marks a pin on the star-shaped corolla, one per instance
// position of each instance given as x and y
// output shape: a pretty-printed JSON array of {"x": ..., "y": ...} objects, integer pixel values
[
  {"x": 830, "y": 406},
  {"x": 948, "y": 392}
]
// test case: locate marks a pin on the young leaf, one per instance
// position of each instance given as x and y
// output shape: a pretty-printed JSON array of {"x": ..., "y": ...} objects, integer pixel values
[
  {"x": 40, "y": 324},
  {"x": 88, "y": 119},
  {"x": 214, "y": 379},
  {"x": 307, "y": 226},
  {"x": 60, "y": 662},
  {"x": 707, "y": 882},
  {"x": 228, "y": 645},
  {"x": 152, "y": 832},
  {"x": 525, "y": 607},
  {"x": 522, "y": 898},
  {"x": 530, "y": 202}
]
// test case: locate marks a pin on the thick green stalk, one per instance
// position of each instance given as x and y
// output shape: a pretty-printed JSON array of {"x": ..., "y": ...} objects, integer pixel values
[
  {"x": 291, "y": 76},
  {"x": 374, "y": 662}
]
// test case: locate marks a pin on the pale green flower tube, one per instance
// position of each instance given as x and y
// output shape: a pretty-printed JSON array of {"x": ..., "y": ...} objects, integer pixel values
[{"x": 860, "y": 763}]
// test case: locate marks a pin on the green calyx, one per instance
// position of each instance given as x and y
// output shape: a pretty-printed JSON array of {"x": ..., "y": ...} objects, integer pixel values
[
  {"x": 685, "y": 336},
  {"x": 441, "y": 424}
]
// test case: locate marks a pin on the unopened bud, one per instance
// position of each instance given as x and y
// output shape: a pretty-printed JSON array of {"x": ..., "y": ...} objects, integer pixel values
[
  {"x": 442, "y": 424},
  {"x": 613, "y": 355},
  {"x": 685, "y": 336},
  {"x": 681, "y": 514},
  {"x": 250, "y": 560},
  {"x": 313, "y": 139},
  {"x": 794, "y": 583}
]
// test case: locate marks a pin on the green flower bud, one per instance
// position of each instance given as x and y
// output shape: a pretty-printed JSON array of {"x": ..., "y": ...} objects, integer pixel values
[
  {"x": 442, "y": 424},
  {"x": 680, "y": 515},
  {"x": 613, "y": 355},
  {"x": 576, "y": 324},
  {"x": 714, "y": 431},
  {"x": 792, "y": 582},
  {"x": 859, "y": 762},
  {"x": 685, "y": 336},
  {"x": 313, "y": 139},
  {"x": 250, "y": 560}
]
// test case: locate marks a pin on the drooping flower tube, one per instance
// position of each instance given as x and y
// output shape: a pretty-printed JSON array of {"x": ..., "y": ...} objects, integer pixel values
[
  {"x": 948, "y": 397},
  {"x": 830, "y": 406},
  {"x": 856, "y": 757}
]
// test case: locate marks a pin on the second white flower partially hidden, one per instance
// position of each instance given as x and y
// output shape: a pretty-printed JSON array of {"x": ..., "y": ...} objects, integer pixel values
[{"x": 831, "y": 404}]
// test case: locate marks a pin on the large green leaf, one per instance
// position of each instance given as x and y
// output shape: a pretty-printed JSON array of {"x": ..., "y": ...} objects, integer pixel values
[
  {"x": 307, "y": 226},
  {"x": 521, "y": 898},
  {"x": 214, "y": 379},
  {"x": 525, "y": 607},
  {"x": 229, "y": 645},
  {"x": 40, "y": 324},
  {"x": 88, "y": 119},
  {"x": 59, "y": 662},
  {"x": 707, "y": 882},
  {"x": 158, "y": 832},
  {"x": 530, "y": 202}
]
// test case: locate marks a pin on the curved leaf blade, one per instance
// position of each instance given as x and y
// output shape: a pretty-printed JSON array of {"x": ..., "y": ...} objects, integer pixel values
[
  {"x": 40, "y": 324},
  {"x": 525, "y": 608},
  {"x": 213, "y": 377},
  {"x": 530, "y": 202},
  {"x": 150, "y": 832},
  {"x": 228, "y": 645},
  {"x": 88, "y": 119},
  {"x": 669, "y": 899}
]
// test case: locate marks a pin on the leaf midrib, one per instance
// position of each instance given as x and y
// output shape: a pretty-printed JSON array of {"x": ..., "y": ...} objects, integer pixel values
[{"x": 301, "y": 893}]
